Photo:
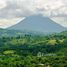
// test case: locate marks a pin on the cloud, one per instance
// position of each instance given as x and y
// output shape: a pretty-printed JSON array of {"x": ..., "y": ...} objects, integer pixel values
[
  {"x": 54, "y": 9},
  {"x": 20, "y": 8},
  {"x": 2, "y": 4},
  {"x": 5, "y": 23},
  {"x": 60, "y": 20}
]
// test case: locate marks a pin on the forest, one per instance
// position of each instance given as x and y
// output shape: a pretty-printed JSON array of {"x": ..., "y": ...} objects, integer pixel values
[{"x": 31, "y": 50}]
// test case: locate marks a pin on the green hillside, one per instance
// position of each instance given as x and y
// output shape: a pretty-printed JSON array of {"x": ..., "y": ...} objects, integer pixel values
[{"x": 29, "y": 50}]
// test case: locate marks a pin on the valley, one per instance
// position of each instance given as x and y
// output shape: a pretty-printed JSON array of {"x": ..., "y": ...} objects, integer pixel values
[{"x": 31, "y": 50}]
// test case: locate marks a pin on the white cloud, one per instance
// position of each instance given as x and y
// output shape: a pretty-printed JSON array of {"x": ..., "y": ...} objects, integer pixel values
[
  {"x": 2, "y": 4},
  {"x": 60, "y": 20},
  {"x": 54, "y": 9},
  {"x": 5, "y": 23},
  {"x": 20, "y": 8}
]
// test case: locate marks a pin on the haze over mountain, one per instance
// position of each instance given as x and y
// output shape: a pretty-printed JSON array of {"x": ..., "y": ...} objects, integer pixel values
[{"x": 38, "y": 23}]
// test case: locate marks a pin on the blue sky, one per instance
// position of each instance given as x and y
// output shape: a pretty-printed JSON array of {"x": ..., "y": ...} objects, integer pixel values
[{"x": 12, "y": 11}]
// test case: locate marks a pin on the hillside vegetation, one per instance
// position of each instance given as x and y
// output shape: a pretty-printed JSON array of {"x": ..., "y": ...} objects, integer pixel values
[{"x": 29, "y": 50}]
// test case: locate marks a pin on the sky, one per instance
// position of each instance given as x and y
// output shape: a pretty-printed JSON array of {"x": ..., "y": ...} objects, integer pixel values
[{"x": 13, "y": 11}]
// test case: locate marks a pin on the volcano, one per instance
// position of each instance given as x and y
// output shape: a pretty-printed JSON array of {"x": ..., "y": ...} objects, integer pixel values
[{"x": 38, "y": 23}]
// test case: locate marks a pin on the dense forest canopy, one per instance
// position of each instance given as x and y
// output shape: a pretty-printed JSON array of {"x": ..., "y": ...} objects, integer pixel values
[{"x": 32, "y": 50}]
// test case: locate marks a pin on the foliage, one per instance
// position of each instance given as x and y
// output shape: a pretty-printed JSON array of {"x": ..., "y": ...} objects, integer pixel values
[{"x": 31, "y": 50}]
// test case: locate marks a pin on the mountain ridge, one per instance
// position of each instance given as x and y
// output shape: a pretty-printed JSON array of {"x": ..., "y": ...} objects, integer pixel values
[{"x": 38, "y": 23}]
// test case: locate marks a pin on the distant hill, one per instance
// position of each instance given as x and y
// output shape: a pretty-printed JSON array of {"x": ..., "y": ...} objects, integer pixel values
[
  {"x": 14, "y": 33},
  {"x": 38, "y": 23},
  {"x": 9, "y": 33}
]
